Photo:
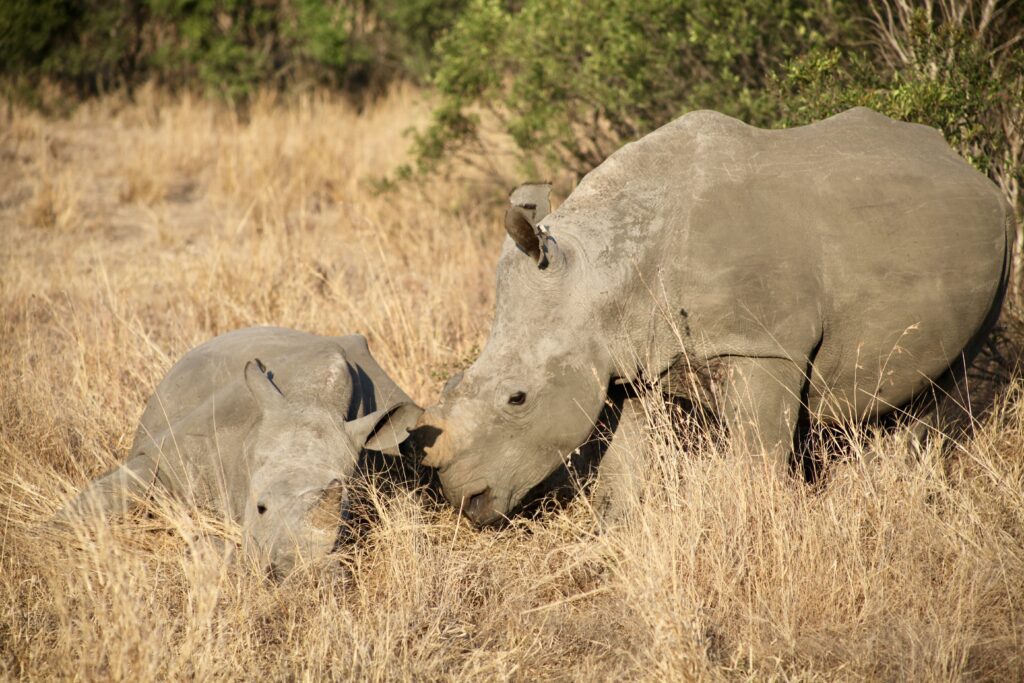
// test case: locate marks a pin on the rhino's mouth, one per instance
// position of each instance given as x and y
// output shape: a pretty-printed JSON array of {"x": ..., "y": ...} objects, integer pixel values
[
  {"x": 558, "y": 487},
  {"x": 480, "y": 508},
  {"x": 487, "y": 509},
  {"x": 348, "y": 528}
]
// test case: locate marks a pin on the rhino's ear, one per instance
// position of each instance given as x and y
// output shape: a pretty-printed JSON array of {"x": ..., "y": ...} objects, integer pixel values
[
  {"x": 384, "y": 430},
  {"x": 534, "y": 199},
  {"x": 522, "y": 233},
  {"x": 337, "y": 379},
  {"x": 261, "y": 385},
  {"x": 530, "y": 204}
]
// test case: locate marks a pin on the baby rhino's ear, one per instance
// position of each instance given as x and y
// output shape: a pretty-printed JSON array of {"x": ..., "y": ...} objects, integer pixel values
[
  {"x": 336, "y": 380},
  {"x": 261, "y": 385},
  {"x": 384, "y": 430}
]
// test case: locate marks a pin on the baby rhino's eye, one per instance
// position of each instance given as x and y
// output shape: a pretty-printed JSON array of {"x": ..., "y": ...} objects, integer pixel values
[
  {"x": 261, "y": 508},
  {"x": 517, "y": 399}
]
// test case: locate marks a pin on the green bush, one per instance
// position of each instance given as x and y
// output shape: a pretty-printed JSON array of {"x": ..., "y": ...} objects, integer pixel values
[
  {"x": 27, "y": 29},
  {"x": 570, "y": 82},
  {"x": 413, "y": 28},
  {"x": 89, "y": 45},
  {"x": 964, "y": 79},
  {"x": 227, "y": 47},
  {"x": 232, "y": 46}
]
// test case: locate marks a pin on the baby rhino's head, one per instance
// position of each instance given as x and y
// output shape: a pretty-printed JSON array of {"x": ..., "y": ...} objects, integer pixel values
[{"x": 301, "y": 454}]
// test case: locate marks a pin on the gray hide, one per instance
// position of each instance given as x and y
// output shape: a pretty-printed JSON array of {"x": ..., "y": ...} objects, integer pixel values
[
  {"x": 267, "y": 443},
  {"x": 836, "y": 270}
]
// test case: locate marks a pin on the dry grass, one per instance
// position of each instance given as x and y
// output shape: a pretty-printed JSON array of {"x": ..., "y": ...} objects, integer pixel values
[{"x": 131, "y": 233}]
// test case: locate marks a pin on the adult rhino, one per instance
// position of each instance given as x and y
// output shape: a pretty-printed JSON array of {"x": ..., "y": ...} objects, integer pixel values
[
  {"x": 271, "y": 450},
  {"x": 836, "y": 269}
]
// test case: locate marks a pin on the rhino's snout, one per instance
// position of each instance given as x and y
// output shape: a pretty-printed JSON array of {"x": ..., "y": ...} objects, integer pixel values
[
  {"x": 480, "y": 509},
  {"x": 463, "y": 475},
  {"x": 286, "y": 555},
  {"x": 276, "y": 572}
]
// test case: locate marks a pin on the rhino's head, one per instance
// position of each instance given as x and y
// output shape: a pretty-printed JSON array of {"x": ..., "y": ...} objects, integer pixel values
[
  {"x": 302, "y": 455},
  {"x": 534, "y": 393}
]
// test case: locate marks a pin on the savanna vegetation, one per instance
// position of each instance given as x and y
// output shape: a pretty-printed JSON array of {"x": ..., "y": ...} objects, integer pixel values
[{"x": 172, "y": 170}]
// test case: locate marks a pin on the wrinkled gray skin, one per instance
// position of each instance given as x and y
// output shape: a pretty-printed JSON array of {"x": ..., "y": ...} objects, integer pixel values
[
  {"x": 272, "y": 450},
  {"x": 835, "y": 269}
]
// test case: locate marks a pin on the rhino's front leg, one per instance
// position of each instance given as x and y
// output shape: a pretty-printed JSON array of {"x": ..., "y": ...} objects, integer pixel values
[
  {"x": 761, "y": 400},
  {"x": 617, "y": 489},
  {"x": 113, "y": 492}
]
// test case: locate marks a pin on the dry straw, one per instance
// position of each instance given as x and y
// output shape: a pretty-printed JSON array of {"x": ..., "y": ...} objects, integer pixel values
[{"x": 132, "y": 232}]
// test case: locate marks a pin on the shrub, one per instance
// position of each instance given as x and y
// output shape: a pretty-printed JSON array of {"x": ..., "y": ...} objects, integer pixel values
[
  {"x": 26, "y": 29},
  {"x": 570, "y": 82},
  {"x": 88, "y": 45},
  {"x": 958, "y": 71},
  {"x": 413, "y": 28},
  {"x": 227, "y": 47}
]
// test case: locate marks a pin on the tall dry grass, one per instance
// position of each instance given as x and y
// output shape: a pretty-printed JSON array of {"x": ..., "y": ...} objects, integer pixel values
[{"x": 132, "y": 232}]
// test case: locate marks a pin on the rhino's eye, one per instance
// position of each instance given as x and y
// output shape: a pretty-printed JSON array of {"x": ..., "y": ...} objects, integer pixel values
[
  {"x": 517, "y": 399},
  {"x": 261, "y": 508}
]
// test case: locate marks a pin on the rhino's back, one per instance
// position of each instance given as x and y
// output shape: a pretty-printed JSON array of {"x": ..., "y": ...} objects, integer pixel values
[
  {"x": 913, "y": 246},
  {"x": 201, "y": 412},
  {"x": 297, "y": 360},
  {"x": 851, "y": 178},
  {"x": 218, "y": 364},
  {"x": 866, "y": 239}
]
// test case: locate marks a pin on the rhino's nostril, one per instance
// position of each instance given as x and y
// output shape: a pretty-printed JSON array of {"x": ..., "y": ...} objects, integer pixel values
[{"x": 478, "y": 503}]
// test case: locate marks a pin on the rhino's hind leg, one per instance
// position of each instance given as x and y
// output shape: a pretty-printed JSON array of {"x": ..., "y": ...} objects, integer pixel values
[
  {"x": 115, "y": 491},
  {"x": 760, "y": 401}
]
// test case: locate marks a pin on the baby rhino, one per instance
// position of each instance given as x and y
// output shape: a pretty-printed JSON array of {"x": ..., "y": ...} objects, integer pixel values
[{"x": 263, "y": 425}]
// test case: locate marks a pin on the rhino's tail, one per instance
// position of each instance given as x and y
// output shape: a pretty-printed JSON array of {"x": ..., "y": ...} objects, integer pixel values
[{"x": 1013, "y": 250}]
